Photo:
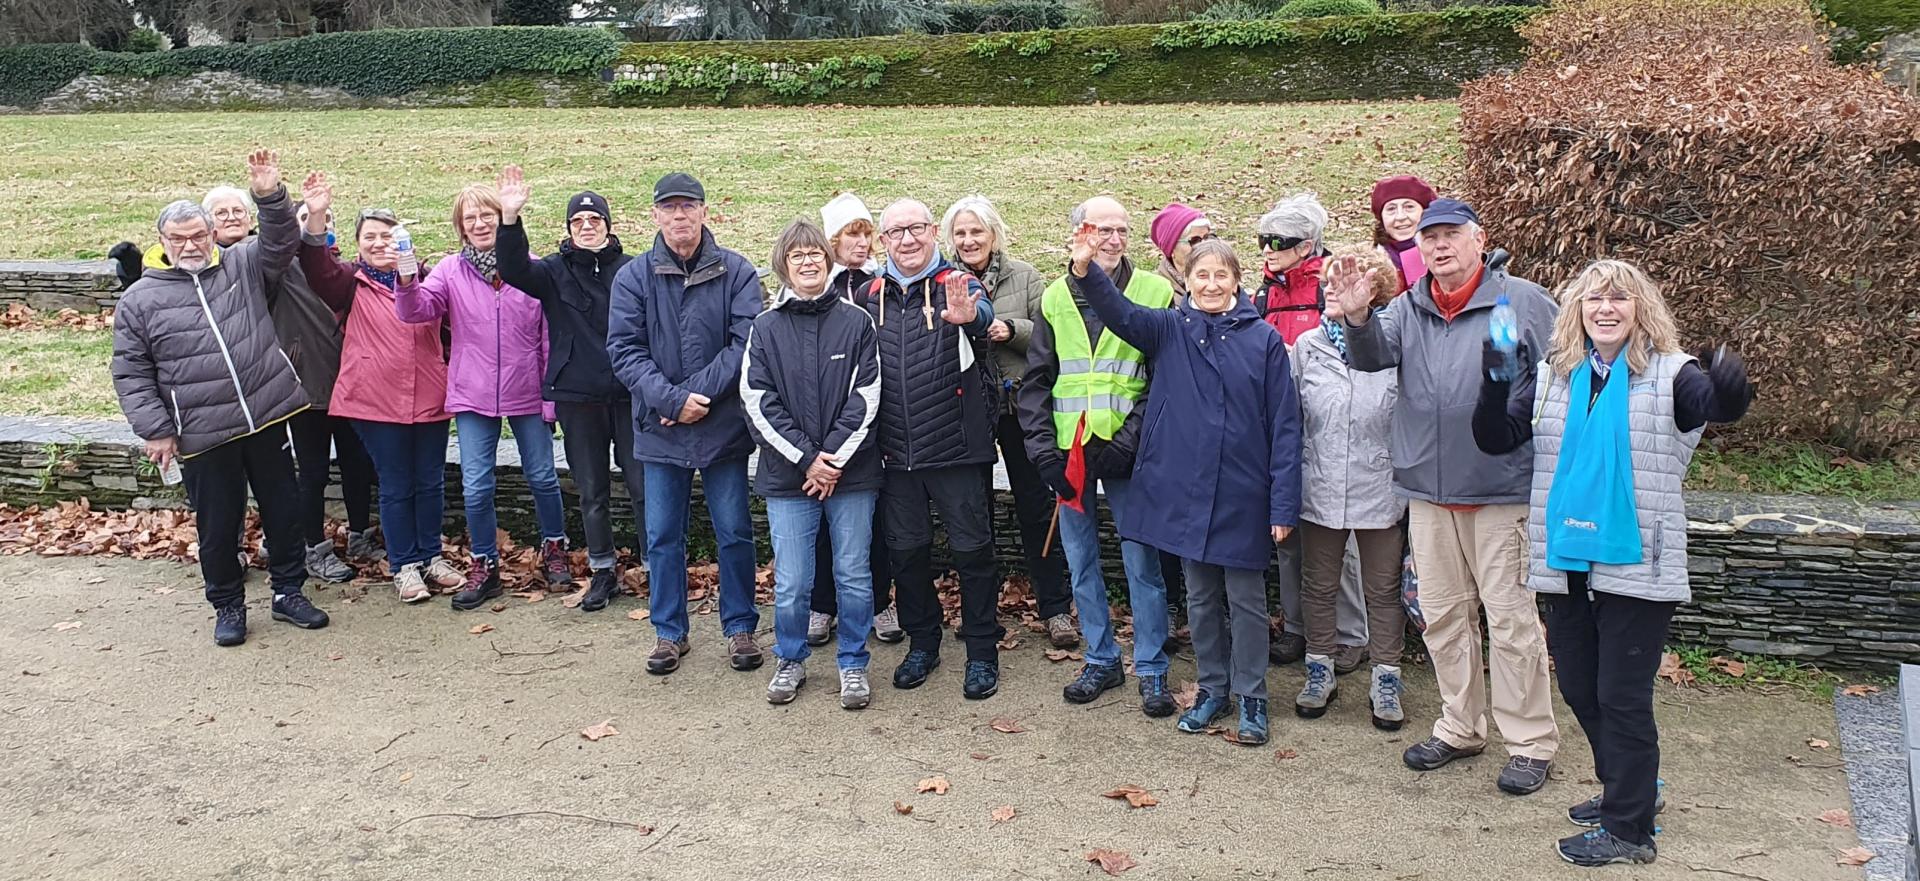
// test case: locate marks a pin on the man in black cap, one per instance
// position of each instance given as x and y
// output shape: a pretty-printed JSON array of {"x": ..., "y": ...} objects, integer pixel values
[
  {"x": 676, "y": 333},
  {"x": 574, "y": 285}
]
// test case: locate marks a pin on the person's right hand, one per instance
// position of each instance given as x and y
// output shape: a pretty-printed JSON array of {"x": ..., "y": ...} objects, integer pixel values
[
  {"x": 513, "y": 194},
  {"x": 163, "y": 450},
  {"x": 1349, "y": 290},
  {"x": 317, "y": 193},
  {"x": 1081, "y": 249},
  {"x": 695, "y": 409},
  {"x": 1055, "y": 474}
]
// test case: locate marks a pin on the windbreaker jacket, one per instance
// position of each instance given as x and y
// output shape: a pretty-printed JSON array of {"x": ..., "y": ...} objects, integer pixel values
[
  {"x": 499, "y": 338},
  {"x": 1346, "y": 420},
  {"x": 390, "y": 371},
  {"x": 573, "y": 286},
  {"x": 810, "y": 383}
]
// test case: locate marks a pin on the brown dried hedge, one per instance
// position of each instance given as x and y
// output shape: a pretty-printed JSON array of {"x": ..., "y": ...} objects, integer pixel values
[{"x": 1775, "y": 195}]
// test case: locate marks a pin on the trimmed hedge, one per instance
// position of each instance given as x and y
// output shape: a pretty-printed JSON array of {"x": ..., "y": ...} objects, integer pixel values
[
  {"x": 1004, "y": 15},
  {"x": 1380, "y": 56}
]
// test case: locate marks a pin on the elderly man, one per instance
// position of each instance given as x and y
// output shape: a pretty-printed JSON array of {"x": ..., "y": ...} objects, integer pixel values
[
  {"x": 1085, "y": 389},
  {"x": 1468, "y": 509},
  {"x": 937, "y": 409},
  {"x": 312, "y": 335},
  {"x": 676, "y": 330},
  {"x": 202, "y": 379}
]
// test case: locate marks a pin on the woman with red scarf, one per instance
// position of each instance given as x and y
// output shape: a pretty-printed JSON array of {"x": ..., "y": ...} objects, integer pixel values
[{"x": 1398, "y": 203}]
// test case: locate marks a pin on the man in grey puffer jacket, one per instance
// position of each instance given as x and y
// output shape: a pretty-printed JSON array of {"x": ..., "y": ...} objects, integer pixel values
[{"x": 201, "y": 377}]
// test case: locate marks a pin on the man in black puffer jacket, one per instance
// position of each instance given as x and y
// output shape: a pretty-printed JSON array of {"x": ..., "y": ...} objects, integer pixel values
[
  {"x": 574, "y": 286},
  {"x": 938, "y": 405}
]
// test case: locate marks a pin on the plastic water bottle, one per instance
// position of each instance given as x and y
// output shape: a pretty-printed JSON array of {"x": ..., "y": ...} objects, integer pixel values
[
  {"x": 403, "y": 245},
  {"x": 1506, "y": 338}
]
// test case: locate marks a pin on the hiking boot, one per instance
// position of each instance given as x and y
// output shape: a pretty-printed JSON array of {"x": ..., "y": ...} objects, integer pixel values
[
  {"x": 1062, "y": 632},
  {"x": 360, "y": 546},
  {"x": 1319, "y": 690},
  {"x": 600, "y": 591},
  {"x": 855, "y": 693},
  {"x": 983, "y": 680},
  {"x": 442, "y": 574},
  {"x": 666, "y": 656},
  {"x": 230, "y": 624},
  {"x": 1155, "y": 701},
  {"x": 788, "y": 676},
  {"x": 1348, "y": 658},
  {"x": 915, "y": 668},
  {"x": 324, "y": 565},
  {"x": 886, "y": 626},
  {"x": 1587, "y": 813},
  {"x": 483, "y": 583},
  {"x": 1094, "y": 680},
  {"x": 1433, "y": 752},
  {"x": 1206, "y": 710},
  {"x": 295, "y": 609},
  {"x": 743, "y": 653},
  {"x": 1524, "y": 776},
  {"x": 819, "y": 628},
  {"x": 554, "y": 563},
  {"x": 1253, "y": 721},
  {"x": 411, "y": 583},
  {"x": 1287, "y": 648},
  {"x": 1600, "y": 848},
  {"x": 1384, "y": 698}
]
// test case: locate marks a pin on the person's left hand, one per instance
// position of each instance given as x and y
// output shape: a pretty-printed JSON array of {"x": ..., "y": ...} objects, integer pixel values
[
  {"x": 1728, "y": 373},
  {"x": 1280, "y": 533},
  {"x": 263, "y": 172},
  {"x": 999, "y": 331},
  {"x": 961, "y": 309},
  {"x": 821, "y": 478}
]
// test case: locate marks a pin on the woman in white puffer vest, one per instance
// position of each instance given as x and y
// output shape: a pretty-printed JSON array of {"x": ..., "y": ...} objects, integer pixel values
[{"x": 1615, "y": 411}]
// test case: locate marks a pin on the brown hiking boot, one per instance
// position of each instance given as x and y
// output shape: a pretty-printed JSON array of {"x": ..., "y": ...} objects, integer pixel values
[
  {"x": 744, "y": 653},
  {"x": 1348, "y": 658},
  {"x": 1062, "y": 632},
  {"x": 666, "y": 656}
]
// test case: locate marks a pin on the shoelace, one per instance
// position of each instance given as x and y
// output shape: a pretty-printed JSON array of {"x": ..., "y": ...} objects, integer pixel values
[
  {"x": 1090, "y": 675},
  {"x": 787, "y": 675},
  {"x": 1319, "y": 677},
  {"x": 856, "y": 679},
  {"x": 1153, "y": 687},
  {"x": 1390, "y": 690},
  {"x": 229, "y": 613},
  {"x": 477, "y": 574}
]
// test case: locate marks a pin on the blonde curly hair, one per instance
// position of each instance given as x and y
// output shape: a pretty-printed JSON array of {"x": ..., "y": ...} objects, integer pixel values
[{"x": 1653, "y": 330}]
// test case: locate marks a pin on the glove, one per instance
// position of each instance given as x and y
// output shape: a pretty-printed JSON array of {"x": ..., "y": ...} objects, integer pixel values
[
  {"x": 1493, "y": 361},
  {"x": 1112, "y": 461},
  {"x": 1728, "y": 374},
  {"x": 1054, "y": 472}
]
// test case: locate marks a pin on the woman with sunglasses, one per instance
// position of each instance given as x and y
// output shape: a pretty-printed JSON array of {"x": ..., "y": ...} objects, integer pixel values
[
  {"x": 1292, "y": 253},
  {"x": 1175, "y": 231}
]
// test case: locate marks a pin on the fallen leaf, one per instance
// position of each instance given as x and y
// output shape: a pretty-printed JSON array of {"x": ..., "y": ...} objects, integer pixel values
[
  {"x": 1285, "y": 754},
  {"x": 643, "y": 828},
  {"x": 335, "y": 656},
  {"x": 1672, "y": 670},
  {"x": 406, "y": 777},
  {"x": 1837, "y": 817},
  {"x": 1860, "y": 690},
  {"x": 638, "y": 615},
  {"x": 498, "y": 607},
  {"x": 1855, "y": 856},
  {"x": 480, "y": 628},
  {"x": 1112, "y": 862},
  {"x": 67, "y": 625},
  {"x": 1003, "y": 813},
  {"x": 1005, "y": 725},
  {"x": 1058, "y": 655},
  {"x": 572, "y": 600},
  {"x": 937, "y": 784},
  {"x": 1817, "y": 743},
  {"x": 595, "y": 732},
  {"x": 1135, "y": 796},
  {"x": 1729, "y": 666},
  {"x": 902, "y": 808},
  {"x": 531, "y": 596},
  {"x": 1009, "y": 644},
  {"x": 1185, "y": 696}
]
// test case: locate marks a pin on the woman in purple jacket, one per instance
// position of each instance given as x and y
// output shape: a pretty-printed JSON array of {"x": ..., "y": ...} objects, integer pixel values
[{"x": 499, "y": 356}]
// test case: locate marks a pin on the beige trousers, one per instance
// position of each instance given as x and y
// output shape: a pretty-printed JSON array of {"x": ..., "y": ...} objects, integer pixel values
[{"x": 1466, "y": 560}]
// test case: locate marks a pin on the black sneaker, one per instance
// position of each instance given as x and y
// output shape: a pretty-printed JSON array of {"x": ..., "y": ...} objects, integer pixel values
[
  {"x": 295, "y": 609},
  {"x": 483, "y": 583},
  {"x": 1587, "y": 813},
  {"x": 1094, "y": 679},
  {"x": 1600, "y": 848},
  {"x": 1524, "y": 776},
  {"x": 983, "y": 679},
  {"x": 600, "y": 591},
  {"x": 1286, "y": 648},
  {"x": 230, "y": 624},
  {"x": 1433, "y": 752},
  {"x": 1154, "y": 699},
  {"x": 914, "y": 670}
]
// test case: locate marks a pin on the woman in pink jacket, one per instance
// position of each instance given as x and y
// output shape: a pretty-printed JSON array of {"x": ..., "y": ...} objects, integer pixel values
[
  {"x": 392, "y": 385},
  {"x": 499, "y": 356}
]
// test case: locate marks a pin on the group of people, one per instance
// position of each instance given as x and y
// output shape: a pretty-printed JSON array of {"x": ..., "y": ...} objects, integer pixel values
[{"x": 1360, "y": 405}]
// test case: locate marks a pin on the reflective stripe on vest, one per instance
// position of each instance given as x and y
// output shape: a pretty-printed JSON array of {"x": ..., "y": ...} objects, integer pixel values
[{"x": 1100, "y": 381}]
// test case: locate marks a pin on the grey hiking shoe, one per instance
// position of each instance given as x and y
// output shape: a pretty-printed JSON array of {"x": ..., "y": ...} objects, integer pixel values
[
  {"x": 819, "y": 628},
  {"x": 855, "y": 693},
  {"x": 324, "y": 565},
  {"x": 788, "y": 676},
  {"x": 360, "y": 546},
  {"x": 1319, "y": 690},
  {"x": 1384, "y": 697},
  {"x": 1524, "y": 776}
]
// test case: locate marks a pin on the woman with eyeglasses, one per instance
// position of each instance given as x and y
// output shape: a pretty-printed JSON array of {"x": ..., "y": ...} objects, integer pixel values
[
  {"x": 1614, "y": 411},
  {"x": 392, "y": 386},
  {"x": 1398, "y": 203},
  {"x": 1175, "y": 231}
]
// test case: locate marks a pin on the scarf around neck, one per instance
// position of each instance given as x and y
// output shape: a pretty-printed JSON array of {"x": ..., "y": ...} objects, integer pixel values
[
  {"x": 1407, "y": 259},
  {"x": 484, "y": 262},
  {"x": 1591, "y": 513},
  {"x": 388, "y": 278}
]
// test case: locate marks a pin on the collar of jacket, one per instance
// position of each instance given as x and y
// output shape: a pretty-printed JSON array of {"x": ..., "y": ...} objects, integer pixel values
[
  {"x": 1492, "y": 285},
  {"x": 789, "y": 301},
  {"x": 1235, "y": 318},
  {"x": 927, "y": 275},
  {"x": 576, "y": 254},
  {"x": 710, "y": 267},
  {"x": 155, "y": 260},
  {"x": 870, "y": 268},
  {"x": 988, "y": 275}
]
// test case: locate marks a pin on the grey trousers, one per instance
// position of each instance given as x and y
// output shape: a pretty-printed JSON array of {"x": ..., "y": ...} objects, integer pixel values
[
  {"x": 1350, "y": 605},
  {"x": 1227, "y": 615}
]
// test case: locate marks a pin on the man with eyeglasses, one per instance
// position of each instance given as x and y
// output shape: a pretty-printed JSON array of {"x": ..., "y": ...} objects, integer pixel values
[
  {"x": 938, "y": 404},
  {"x": 676, "y": 331},
  {"x": 1468, "y": 509},
  {"x": 201, "y": 377},
  {"x": 1081, "y": 404}
]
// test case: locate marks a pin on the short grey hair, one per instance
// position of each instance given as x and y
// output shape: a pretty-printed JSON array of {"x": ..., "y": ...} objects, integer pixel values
[
  {"x": 982, "y": 208},
  {"x": 224, "y": 192},
  {"x": 1299, "y": 216},
  {"x": 180, "y": 211}
]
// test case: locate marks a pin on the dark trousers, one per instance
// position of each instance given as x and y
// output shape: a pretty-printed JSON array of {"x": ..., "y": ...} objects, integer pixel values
[
  {"x": 411, "y": 460},
  {"x": 589, "y": 431},
  {"x": 826, "y": 595},
  {"x": 1033, "y": 503},
  {"x": 959, "y": 493},
  {"x": 1606, "y": 650},
  {"x": 217, "y": 482},
  {"x": 317, "y": 440}
]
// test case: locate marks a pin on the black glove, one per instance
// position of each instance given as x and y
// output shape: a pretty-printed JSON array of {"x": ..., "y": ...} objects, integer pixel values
[
  {"x": 1112, "y": 461},
  {"x": 1729, "y": 377},
  {"x": 1492, "y": 361},
  {"x": 1054, "y": 472}
]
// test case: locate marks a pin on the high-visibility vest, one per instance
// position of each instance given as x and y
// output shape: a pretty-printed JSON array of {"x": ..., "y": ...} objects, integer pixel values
[{"x": 1100, "y": 382}]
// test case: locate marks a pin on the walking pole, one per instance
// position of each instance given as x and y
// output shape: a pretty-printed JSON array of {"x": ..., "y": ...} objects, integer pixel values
[{"x": 1052, "y": 526}]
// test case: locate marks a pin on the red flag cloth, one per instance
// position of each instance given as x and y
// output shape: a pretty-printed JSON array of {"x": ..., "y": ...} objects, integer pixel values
[{"x": 1077, "y": 467}]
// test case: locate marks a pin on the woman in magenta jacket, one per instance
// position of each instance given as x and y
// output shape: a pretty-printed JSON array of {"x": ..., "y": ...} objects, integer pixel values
[{"x": 499, "y": 356}]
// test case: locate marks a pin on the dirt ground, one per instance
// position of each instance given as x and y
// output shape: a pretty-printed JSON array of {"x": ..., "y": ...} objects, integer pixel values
[{"x": 136, "y": 749}]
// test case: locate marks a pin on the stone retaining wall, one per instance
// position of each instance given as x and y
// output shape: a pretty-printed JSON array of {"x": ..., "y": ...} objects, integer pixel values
[{"x": 50, "y": 286}]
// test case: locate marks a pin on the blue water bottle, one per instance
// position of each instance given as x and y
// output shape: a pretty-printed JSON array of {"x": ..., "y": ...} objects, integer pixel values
[{"x": 1506, "y": 338}]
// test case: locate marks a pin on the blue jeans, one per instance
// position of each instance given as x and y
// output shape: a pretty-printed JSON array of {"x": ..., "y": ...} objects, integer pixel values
[
  {"x": 795, "y": 524},
  {"x": 1146, "y": 589},
  {"x": 669, "y": 494},
  {"x": 410, "y": 462},
  {"x": 479, "y": 445}
]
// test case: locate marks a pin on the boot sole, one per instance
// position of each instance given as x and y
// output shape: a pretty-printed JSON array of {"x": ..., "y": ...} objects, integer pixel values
[
  {"x": 1314, "y": 712},
  {"x": 784, "y": 699},
  {"x": 1383, "y": 724},
  {"x": 860, "y": 705},
  {"x": 229, "y": 643},
  {"x": 744, "y": 663},
  {"x": 983, "y": 695},
  {"x": 662, "y": 669},
  {"x": 280, "y": 617},
  {"x": 1456, "y": 757},
  {"x": 819, "y": 640},
  {"x": 891, "y": 638},
  {"x": 475, "y": 604}
]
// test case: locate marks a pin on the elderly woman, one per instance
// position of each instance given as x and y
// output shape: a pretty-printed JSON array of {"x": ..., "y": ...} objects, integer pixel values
[
  {"x": 1614, "y": 416},
  {"x": 1398, "y": 202},
  {"x": 499, "y": 359},
  {"x": 311, "y": 334},
  {"x": 392, "y": 386},
  {"x": 1292, "y": 253},
  {"x": 1218, "y": 473},
  {"x": 1347, "y": 496},
  {"x": 977, "y": 238},
  {"x": 1175, "y": 231}
]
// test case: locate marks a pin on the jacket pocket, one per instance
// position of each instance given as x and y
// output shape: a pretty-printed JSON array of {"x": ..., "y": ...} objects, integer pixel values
[{"x": 1659, "y": 545}]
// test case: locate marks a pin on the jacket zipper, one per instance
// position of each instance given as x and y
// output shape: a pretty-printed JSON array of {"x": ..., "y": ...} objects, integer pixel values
[
  {"x": 179, "y": 420},
  {"x": 225, "y": 353},
  {"x": 906, "y": 424}
]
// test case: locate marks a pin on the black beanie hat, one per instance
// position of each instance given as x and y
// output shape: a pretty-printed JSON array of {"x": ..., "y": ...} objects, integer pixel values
[{"x": 588, "y": 200}]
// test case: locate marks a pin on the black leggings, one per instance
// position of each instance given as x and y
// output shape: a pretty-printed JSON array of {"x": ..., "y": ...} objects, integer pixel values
[{"x": 317, "y": 438}]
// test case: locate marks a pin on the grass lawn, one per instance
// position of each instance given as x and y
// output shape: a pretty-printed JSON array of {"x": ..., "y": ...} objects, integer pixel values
[
  {"x": 88, "y": 181},
  {"x": 56, "y": 372}
]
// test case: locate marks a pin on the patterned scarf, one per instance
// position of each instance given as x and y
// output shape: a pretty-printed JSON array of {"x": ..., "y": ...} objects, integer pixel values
[
  {"x": 388, "y": 278},
  {"x": 483, "y": 262},
  {"x": 1336, "y": 335}
]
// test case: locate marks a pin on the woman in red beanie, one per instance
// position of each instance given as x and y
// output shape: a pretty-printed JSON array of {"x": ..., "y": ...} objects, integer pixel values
[
  {"x": 1175, "y": 230},
  {"x": 1398, "y": 202}
]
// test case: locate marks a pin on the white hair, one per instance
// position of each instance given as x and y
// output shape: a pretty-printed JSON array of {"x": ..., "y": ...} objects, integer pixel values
[
  {"x": 1299, "y": 216},
  {"x": 224, "y": 192},
  {"x": 981, "y": 208},
  {"x": 903, "y": 204},
  {"x": 180, "y": 211}
]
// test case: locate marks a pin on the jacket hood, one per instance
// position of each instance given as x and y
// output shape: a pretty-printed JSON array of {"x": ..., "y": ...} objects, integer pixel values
[
  {"x": 1236, "y": 317},
  {"x": 870, "y": 267},
  {"x": 155, "y": 260}
]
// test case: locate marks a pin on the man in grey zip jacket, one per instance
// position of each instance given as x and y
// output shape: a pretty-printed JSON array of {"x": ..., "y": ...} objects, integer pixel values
[
  {"x": 202, "y": 379},
  {"x": 1468, "y": 509}
]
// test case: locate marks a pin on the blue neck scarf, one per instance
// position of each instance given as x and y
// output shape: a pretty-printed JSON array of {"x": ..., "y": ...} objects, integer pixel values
[
  {"x": 1591, "y": 514},
  {"x": 388, "y": 277},
  {"x": 1336, "y": 335}
]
